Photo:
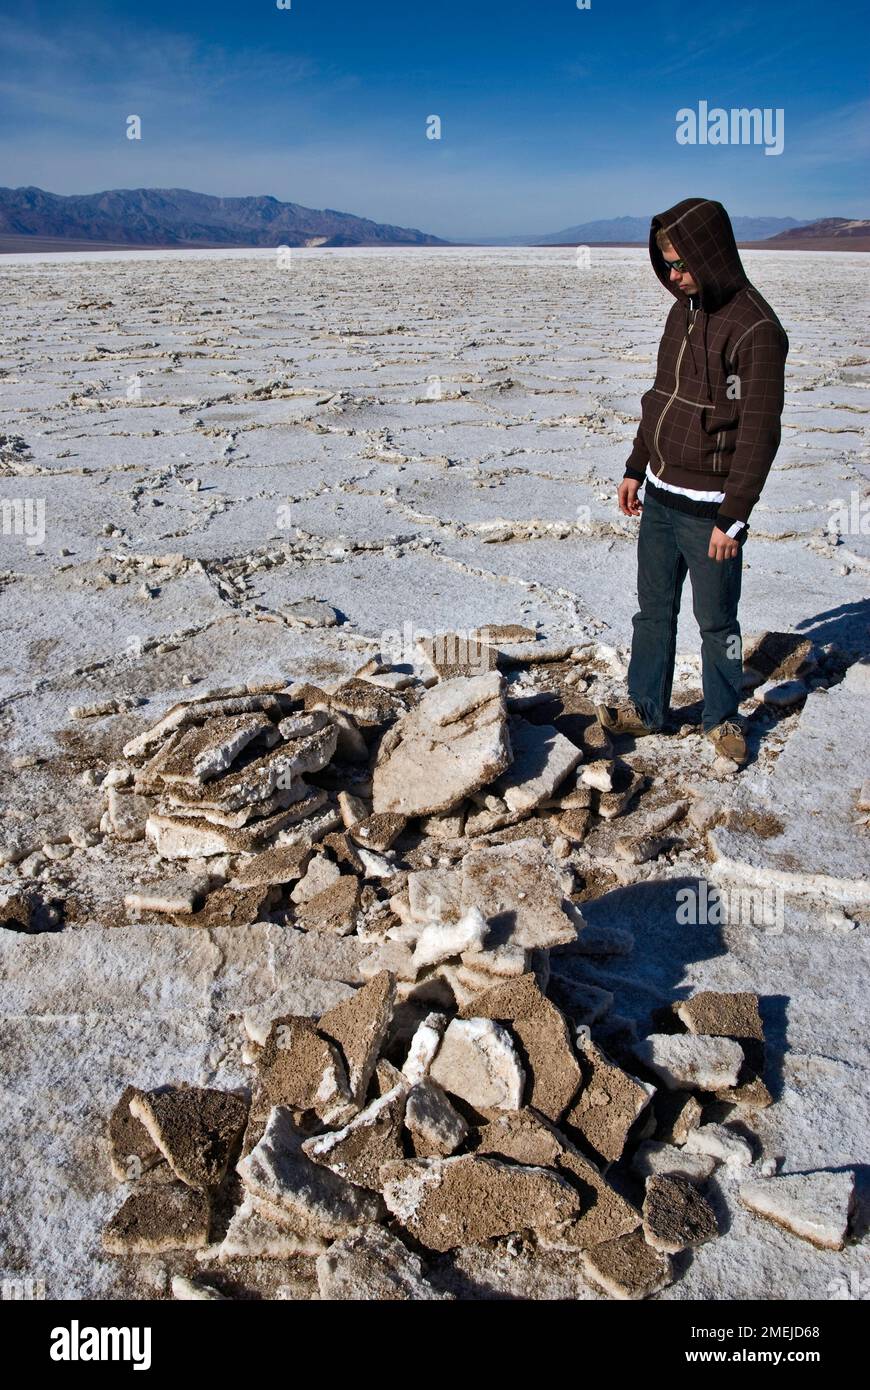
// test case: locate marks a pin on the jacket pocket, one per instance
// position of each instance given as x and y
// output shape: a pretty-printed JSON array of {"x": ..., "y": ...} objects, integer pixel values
[
  {"x": 650, "y": 409},
  {"x": 718, "y": 417},
  {"x": 719, "y": 429}
]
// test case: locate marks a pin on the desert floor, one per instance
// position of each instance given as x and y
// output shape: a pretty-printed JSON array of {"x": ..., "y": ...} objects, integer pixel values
[{"x": 423, "y": 440}]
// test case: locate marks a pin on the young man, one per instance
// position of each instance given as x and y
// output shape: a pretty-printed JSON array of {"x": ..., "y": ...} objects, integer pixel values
[{"x": 709, "y": 431}]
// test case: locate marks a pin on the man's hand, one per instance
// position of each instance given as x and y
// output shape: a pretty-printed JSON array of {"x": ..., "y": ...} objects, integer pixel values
[
  {"x": 627, "y": 497},
  {"x": 722, "y": 547}
]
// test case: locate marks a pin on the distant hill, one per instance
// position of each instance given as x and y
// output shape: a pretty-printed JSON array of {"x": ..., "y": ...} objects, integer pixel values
[
  {"x": 841, "y": 228},
  {"x": 178, "y": 217},
  {"x": 636, "y": 229}
]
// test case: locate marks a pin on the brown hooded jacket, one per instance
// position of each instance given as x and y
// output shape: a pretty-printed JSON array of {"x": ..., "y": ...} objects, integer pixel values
[{"x": 711, "y": 420}]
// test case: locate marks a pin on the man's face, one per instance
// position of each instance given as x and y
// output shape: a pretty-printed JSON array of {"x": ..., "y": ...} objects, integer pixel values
[{"x": 681, "y": 278}]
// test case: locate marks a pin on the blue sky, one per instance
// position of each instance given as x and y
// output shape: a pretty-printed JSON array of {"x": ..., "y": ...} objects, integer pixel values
[{"x": 550, "y": 115}]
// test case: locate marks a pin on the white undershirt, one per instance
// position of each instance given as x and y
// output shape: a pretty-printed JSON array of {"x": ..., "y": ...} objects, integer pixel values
[{"x": 696, "y": 496}]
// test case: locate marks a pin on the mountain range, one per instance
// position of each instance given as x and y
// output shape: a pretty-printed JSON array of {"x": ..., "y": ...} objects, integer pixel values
[
  {"x": 637, "y": 229},
  {"x": 177, "y": 217}
]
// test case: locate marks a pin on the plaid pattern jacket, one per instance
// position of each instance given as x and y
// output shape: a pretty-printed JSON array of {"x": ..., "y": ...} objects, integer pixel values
[{"x": 711, "y": 420}]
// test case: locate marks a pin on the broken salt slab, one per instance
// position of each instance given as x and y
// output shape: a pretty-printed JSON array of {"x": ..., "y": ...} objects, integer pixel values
[
  {"x": 373, "y": 1137},
  {"x": 675, "y": 1215},
  {"x": 435, "y": 1126},
  {"x": 477, "y": 1061},
  {"x": 628, "y": 1268},
  {"x": 251, "y": 1235},
  {"x": 195, "y": 1128},
  {"x": 424, "y": 1045},
  {"x": 445, "y": 1202},
  {"x": 278, "y": 1172},
  {"x": 542, "y": 759},
  {"x": 181, "y": 893},
  {"x": 358, "y": 1026},
  {"x": 553, "y": 1071},
  {"x": 652, "y": 1159},
  {"x": 608, "y": 1104},
  {"x": 519, "y": 889},
  {"x": 691, "y": 1060},
  {"x": 195, "y": 1290},
  {"x": 435, "y": 895},
  {"x": 300, "y": 1069},
  {"x": 373, "y": 1265},
  {"x": 440, "y": 940},
  {"x": 720, "y": 1142},
  {"x": 452, "y": 743},
  {"x": 155, "y": 1219},
  {"x": 128, "y": 814},
  {"x": 321, "y": 874},
  {"x": 208, "y": 750},
  {"x": 195, "y": 838},
  {"x": 814, "y": 1206}
]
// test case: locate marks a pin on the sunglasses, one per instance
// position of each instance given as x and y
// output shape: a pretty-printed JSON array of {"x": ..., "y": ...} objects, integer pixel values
[{"x": 679, "y": 266}]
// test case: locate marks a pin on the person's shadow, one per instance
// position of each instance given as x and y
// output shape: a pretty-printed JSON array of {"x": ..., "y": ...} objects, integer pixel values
[
  {"x": 674, "y": 922},
  {"x": 847, "y": 627}
]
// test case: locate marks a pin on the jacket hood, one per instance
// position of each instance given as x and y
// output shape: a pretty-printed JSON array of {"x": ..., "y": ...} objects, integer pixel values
[{"x": 700, "y": 231}]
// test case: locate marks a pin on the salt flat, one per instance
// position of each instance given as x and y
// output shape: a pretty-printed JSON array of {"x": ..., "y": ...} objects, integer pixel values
[{"x": 430, "y": 438}]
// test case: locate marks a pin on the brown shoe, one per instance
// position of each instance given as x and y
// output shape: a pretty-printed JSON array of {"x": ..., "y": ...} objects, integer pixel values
[
  {"x": 624, "y": 718},
  {"x": 729, "y": 741}
]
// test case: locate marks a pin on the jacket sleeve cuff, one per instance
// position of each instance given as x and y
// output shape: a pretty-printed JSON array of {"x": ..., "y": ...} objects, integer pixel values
[
  {"x": 736, "y": 507},
  {"x": 638, "y": 473},
  {"x": 731, "y": 526}
]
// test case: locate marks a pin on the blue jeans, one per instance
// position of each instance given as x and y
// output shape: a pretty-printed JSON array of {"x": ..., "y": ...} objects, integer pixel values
[{"x": 670, "y": 545}]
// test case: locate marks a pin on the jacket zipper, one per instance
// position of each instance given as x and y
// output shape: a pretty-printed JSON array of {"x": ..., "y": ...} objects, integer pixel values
[{"x": 673, "y": 395}]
